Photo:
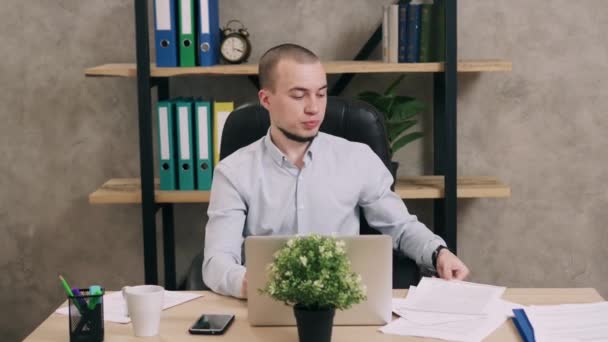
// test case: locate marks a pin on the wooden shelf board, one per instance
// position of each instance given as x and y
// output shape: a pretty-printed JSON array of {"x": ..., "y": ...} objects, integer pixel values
[
  {"x": 127, "y": 190},
  {"x": 467, "y": 187},
  {"x": 331, "y": 67}
]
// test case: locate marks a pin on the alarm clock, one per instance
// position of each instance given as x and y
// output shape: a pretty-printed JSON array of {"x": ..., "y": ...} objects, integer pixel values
[{"x": 235, "y": 47}]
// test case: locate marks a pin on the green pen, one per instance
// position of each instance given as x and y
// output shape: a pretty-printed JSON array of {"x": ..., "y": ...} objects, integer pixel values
[
  {"x": 94, "y": 290},
  {"x": 69, "y": 292}
]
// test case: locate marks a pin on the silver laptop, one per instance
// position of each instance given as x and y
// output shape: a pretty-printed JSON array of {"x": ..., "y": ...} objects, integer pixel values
[{"x": 370, "y": 256}]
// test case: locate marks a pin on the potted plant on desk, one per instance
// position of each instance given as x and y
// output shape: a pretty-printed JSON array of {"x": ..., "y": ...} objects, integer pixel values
[
  {"x": 313, "y": 274},
  {"x": 399, "y": 116}
]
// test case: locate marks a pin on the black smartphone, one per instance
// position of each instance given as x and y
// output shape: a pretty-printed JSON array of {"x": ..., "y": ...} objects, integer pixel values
[{"x": 211, "y": 324}]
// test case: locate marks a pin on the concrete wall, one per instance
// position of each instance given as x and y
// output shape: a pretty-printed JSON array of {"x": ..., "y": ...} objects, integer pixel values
[{"x": 540, "y": 128}]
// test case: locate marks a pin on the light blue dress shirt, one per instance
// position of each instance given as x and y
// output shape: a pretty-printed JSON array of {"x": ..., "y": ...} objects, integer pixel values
[{"x": 257, "y": 191}]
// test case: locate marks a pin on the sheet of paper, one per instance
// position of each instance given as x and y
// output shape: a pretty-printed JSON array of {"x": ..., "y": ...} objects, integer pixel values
[
  {"x": 459, "y": 297},
  {"x": 426, "y": 317},
  {"x": 436, "y": 320},
  {"x": 569, "y": 322},
  {"x": 115, "y": 307},
  {"x": 452, "y": 327}
]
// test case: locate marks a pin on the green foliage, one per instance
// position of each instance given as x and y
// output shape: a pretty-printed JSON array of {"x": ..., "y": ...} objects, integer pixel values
[
  {"x": 399, "y": 114},
  {"x": 315, "y": 272}
]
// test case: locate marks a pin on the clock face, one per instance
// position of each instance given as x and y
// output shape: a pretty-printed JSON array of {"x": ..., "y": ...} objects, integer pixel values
[{"x": 233, "y": 48}]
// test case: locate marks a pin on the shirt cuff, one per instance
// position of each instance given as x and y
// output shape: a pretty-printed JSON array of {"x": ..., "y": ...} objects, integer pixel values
[
  {"x": 427, "y": 254},
  {"x": 235, "y": 281}
]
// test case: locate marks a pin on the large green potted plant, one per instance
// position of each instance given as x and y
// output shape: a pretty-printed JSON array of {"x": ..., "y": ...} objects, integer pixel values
[
  {"x": 399, "y": 116},
  {"x": 313, "y": 274}
]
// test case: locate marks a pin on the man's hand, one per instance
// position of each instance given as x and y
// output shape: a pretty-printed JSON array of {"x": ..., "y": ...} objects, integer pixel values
[
  {"x": 244, "y": 287},
  {"x": 450, "y": 267}
]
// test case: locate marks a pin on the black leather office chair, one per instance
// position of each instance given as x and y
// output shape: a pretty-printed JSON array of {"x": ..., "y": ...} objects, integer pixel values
[{"x": 347, "y": 118}]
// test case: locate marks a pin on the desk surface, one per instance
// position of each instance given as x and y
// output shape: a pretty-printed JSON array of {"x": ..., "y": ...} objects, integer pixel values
[{"x": 176, "y": 321}]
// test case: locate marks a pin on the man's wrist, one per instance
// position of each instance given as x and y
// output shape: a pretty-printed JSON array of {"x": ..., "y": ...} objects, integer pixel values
[{"x": 435, "y": 255}]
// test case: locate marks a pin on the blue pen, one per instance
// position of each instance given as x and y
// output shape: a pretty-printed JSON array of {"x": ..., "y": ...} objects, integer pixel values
[
  {"x": 94, "y": 290},
  {"x": 79, "y": 298}
]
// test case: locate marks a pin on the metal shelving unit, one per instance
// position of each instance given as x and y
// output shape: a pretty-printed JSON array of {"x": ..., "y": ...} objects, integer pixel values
[{"x": 444, "y": 135}]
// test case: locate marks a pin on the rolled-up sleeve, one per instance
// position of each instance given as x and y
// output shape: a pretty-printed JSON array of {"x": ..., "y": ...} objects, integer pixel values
[
  {"x": 223, "y": 271},
  {"x": 387, "y": 213}
]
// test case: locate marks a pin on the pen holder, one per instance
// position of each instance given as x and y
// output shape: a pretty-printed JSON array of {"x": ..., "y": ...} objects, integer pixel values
[{"x": 86, "y": 316}]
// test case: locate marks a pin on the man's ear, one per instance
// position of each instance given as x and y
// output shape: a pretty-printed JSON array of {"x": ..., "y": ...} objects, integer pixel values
[{"x": 263, "y": 95}]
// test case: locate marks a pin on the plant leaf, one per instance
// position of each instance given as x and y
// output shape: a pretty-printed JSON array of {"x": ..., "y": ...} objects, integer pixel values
[
  {"x": 407, "y": 109},
  {"x": 383, "y": 104},
  {"x": 390, "y": 91},
  {"x": 379, "y": 101},
  {"x": 396, "y": 129},
  {"x": 404, "y": 140},
  {"x": 369, "y": 96},
  {"x": 404, "y": 117}
]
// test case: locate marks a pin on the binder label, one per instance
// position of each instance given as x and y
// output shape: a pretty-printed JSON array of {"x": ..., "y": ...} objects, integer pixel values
[
  {"x": 164, "y": 133},
  {"x": 163, "y": 15},
  {"x": 186, "y": 18},
  {"x": 204, "y": 7},
  {"x": 203, "y": 133},
  {"x": 184, "y": 134}
]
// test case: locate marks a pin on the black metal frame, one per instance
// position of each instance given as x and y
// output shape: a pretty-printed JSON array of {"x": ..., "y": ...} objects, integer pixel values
[
  {"x": 444, "y": 140},
  {"x": 444, "y": 131}
]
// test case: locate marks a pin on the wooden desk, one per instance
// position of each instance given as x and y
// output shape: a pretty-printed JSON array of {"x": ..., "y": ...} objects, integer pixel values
[{"x": 176, "y": 321}]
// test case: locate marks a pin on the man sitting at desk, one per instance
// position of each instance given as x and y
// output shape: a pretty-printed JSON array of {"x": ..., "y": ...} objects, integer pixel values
[{"x": 297, "y": 180}]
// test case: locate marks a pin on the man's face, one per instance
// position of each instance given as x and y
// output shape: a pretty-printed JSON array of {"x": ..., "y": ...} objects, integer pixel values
[{"x": 297, "y": 104}]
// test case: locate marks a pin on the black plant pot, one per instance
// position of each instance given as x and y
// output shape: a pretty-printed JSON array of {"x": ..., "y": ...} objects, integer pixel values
[{"x": 314, "y": 325}]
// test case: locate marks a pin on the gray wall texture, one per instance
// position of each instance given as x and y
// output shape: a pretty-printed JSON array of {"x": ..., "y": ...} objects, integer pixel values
[{"x": 541, "y": 129}]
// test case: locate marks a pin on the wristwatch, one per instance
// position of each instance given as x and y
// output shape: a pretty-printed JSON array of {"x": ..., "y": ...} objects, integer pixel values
[{"x": 436, "y": 254}]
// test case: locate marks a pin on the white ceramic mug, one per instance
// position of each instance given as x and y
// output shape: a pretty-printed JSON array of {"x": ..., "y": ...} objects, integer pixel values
[{"x": 144, "y": 304}]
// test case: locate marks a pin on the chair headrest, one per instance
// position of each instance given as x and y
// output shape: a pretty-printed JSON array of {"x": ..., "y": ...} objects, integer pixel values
[{"x": 350, "y": 119}]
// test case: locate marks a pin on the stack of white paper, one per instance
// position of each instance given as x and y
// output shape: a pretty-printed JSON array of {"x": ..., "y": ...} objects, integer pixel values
[
  {"x": 115, "y": 306},
  {"x": 451, "y": 310},
  {"x": 569, "y": 322}
]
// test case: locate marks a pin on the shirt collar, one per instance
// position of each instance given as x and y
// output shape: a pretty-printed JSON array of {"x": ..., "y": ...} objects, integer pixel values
[{"x": 278, "y": 156}]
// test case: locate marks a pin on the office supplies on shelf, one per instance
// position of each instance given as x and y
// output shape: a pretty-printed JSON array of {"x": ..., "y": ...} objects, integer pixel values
[
  {"x": 165, "y": 33},
  {"x": 385, "y": 38},
  {"x": 425, "y": 33},
  {"x": 208, "y": 32},
  {"x": 393, "y": 33},
  {"x": 413, "y": 33},
  {"x": 402, "y": 32},
  {"x": 166, "y": 140},
  {"x": 204, "y": 147},
  {"x": 185, "y": 173},
  {"x": 187, "y": 40},
  {"x": 221, "y": 110}
]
